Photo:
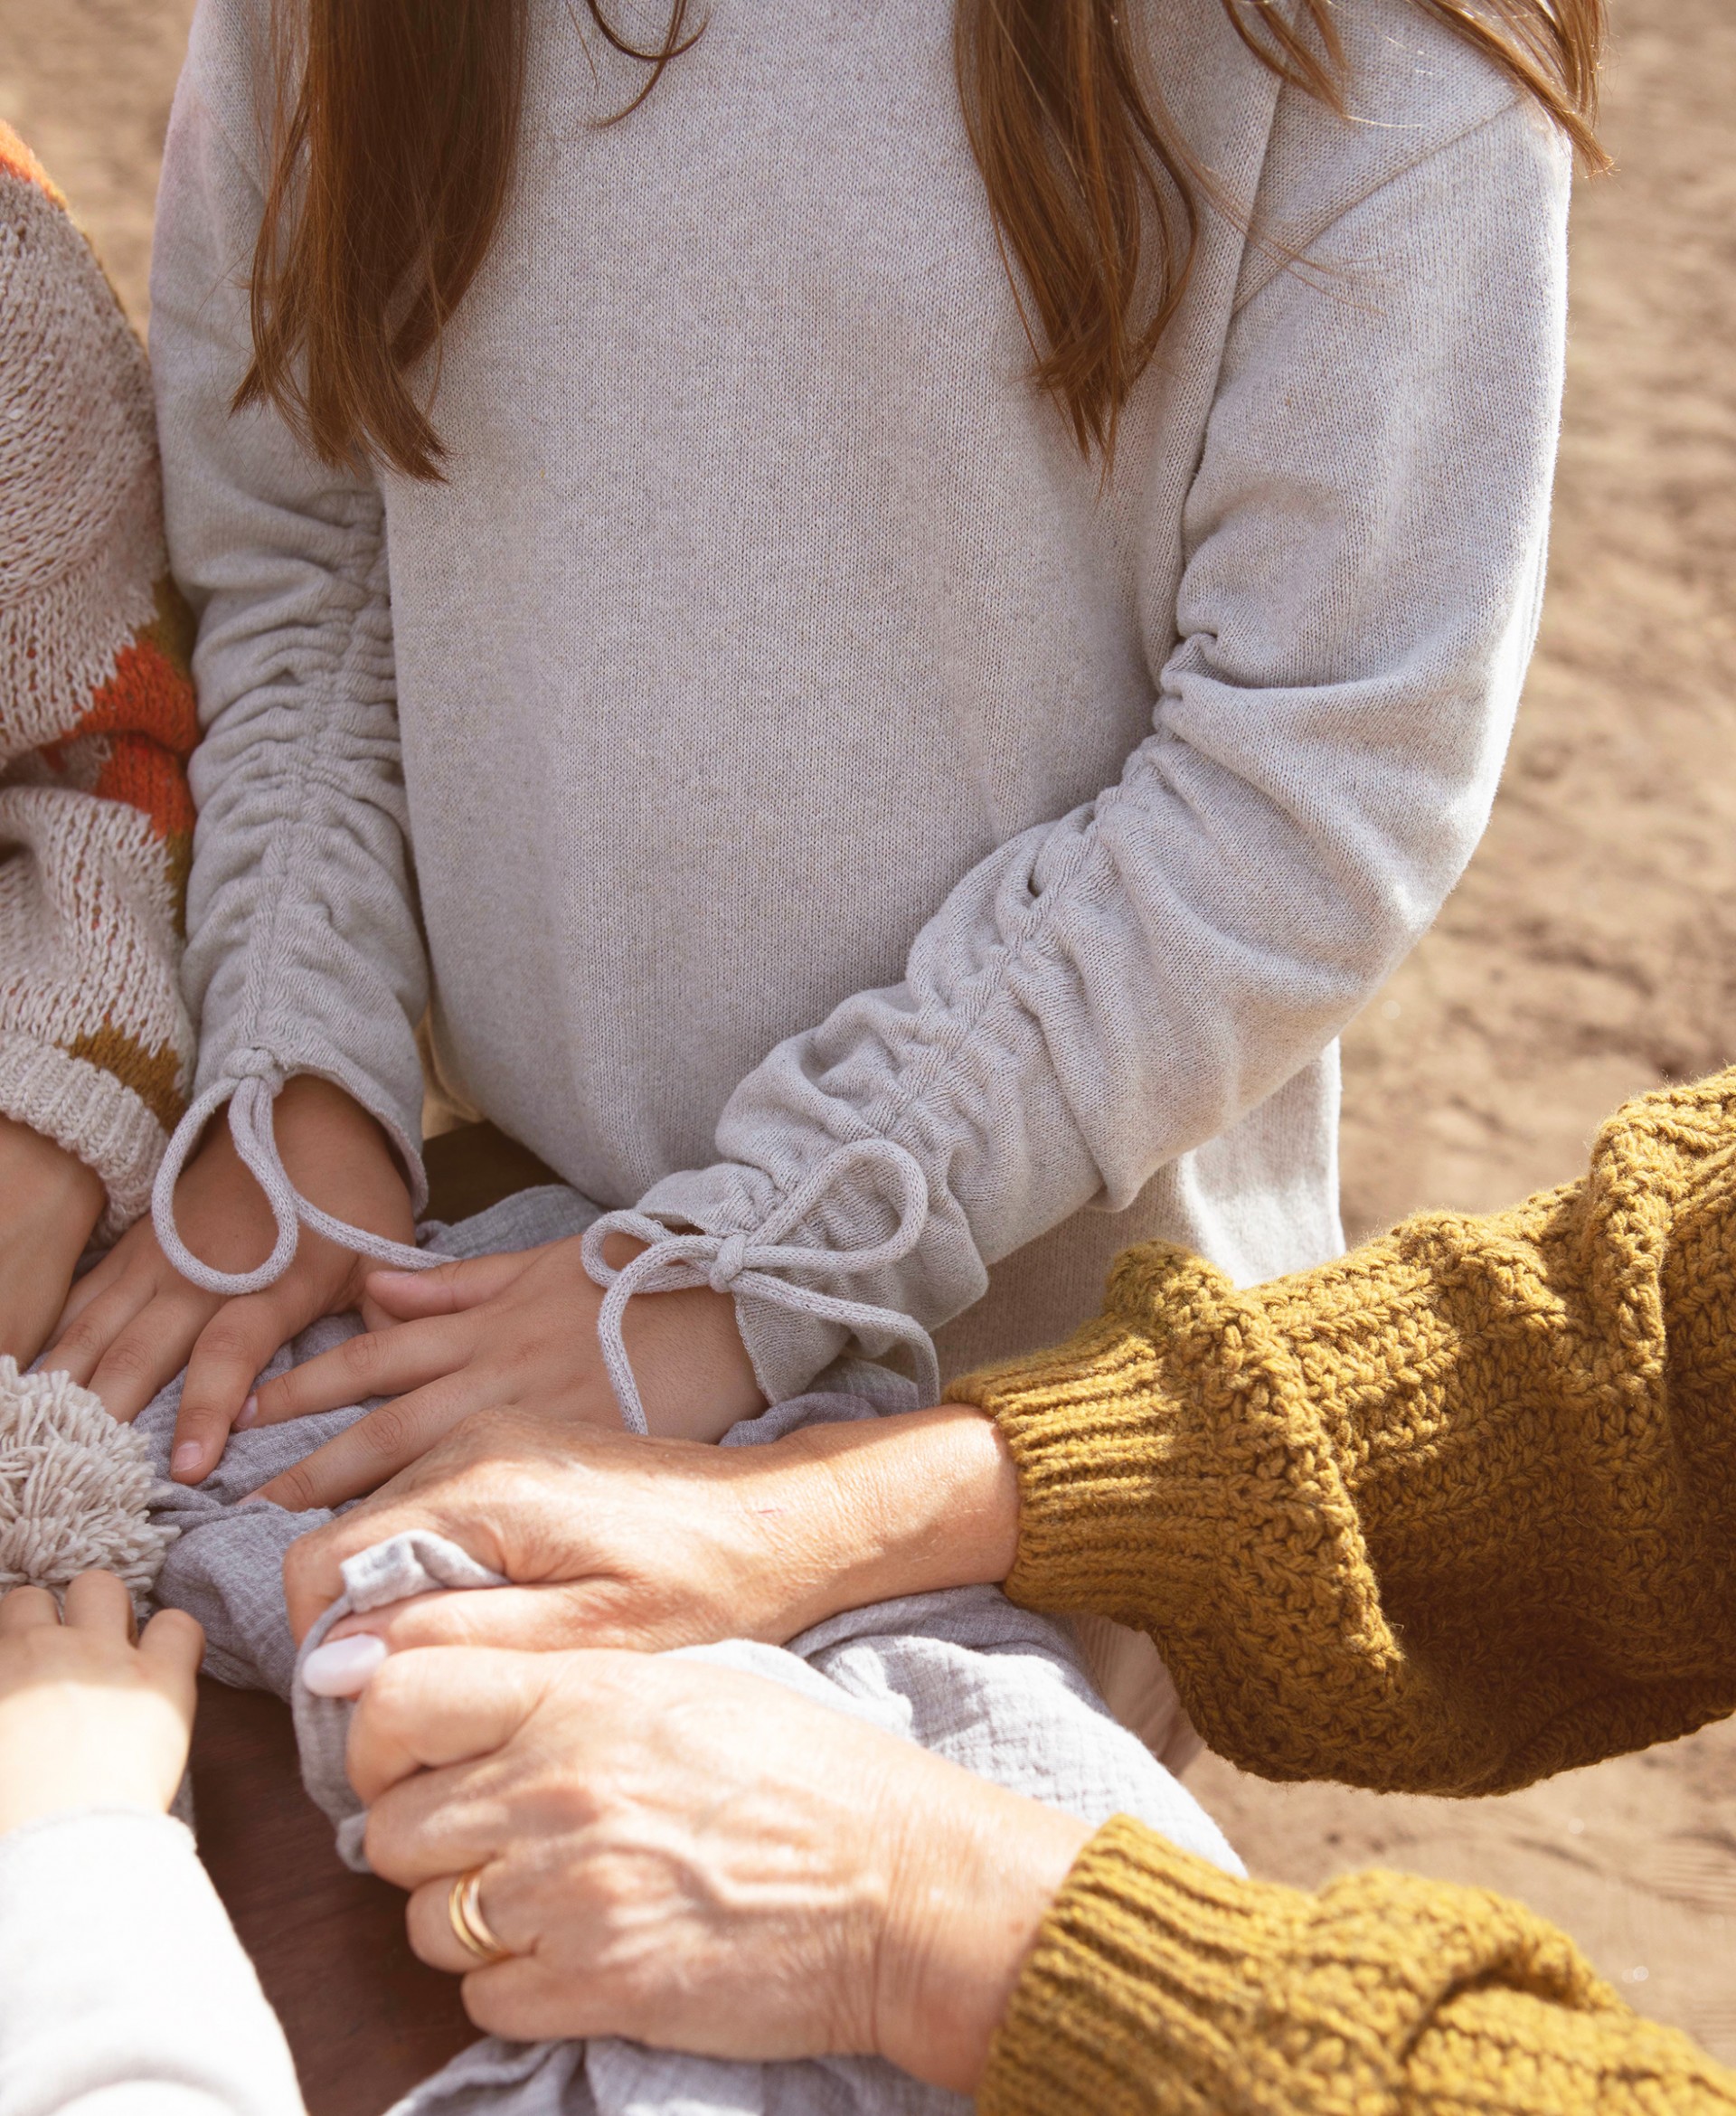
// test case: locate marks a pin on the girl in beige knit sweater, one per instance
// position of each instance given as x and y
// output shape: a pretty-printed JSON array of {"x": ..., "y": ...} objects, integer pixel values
[{"x": 96, "y": 724}]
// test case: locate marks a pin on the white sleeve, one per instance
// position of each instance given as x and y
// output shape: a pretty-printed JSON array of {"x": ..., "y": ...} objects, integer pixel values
[
  {"x": 123, "y": 1988},
  {"x": 1365, "y": 543},
  {"x": 304, "y": 947}
]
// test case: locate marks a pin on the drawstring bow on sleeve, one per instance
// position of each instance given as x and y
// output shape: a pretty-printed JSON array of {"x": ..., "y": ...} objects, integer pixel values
[
  {"x": 251, "y": 1084},
  {"x": 747, "y": 1264}
]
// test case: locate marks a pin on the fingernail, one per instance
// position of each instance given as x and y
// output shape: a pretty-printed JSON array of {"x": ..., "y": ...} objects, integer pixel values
[
  {"x": 249, "y": 1415},
  {"x": 188, "y": 1456},
  {"x": 342, "y": 1666}
]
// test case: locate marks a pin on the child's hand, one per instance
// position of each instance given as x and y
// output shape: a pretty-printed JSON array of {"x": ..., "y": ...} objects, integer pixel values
[
  {"x": 86, "y": 1718},
  {"x": 50, "y": 1203},
  {"x": 134, "y": 1322},
  {"x": 504, "y": 1332}
]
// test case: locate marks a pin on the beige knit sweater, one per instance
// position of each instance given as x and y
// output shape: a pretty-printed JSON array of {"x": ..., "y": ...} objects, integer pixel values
[{"x": 96, "y": 714}]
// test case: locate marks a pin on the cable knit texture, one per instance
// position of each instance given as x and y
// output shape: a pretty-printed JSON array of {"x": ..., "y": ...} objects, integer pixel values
[
  {"x": 1163, "y": 1987},
  {"x": 1446, "y": 1515},
  {"x": 96, "y": 714}
]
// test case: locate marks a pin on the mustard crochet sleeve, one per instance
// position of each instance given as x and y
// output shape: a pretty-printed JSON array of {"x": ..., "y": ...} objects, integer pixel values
[
  {"x": 1162, "y": 1987},
  {"x": 1446, "y": 1515}
]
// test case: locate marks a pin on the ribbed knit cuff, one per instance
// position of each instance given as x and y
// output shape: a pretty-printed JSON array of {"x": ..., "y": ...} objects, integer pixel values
[
  {"x": 1106, "y": 1439},
  {"x": 91, "y": 1114},
  {"x": 1159, "y": 1984}
]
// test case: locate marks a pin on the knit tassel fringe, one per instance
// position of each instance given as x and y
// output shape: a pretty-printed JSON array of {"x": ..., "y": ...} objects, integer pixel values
[{"x": 75, "y": 1488}]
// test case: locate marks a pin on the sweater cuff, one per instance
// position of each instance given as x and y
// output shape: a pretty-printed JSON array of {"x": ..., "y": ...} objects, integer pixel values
[
  {"x": 1160, "y": 1983},
  {"x": 91, "y": 1113},
  {"x": 395, "y": 1105},
  {"x": 1106, "y": 1448},
  {"x": 789, "y": 1347}
]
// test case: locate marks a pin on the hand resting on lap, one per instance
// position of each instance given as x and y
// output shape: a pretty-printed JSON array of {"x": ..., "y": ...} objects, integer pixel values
[
  {"x": 613, "y": 1540},
  {"x": 515, "y": 1331},
  {"x": 698, "y": 1858},
  {"x": 134, "y": 1321}
]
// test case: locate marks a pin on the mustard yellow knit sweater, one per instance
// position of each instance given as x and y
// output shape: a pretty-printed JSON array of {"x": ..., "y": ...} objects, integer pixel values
[{"x": 1447, "y": 1515}]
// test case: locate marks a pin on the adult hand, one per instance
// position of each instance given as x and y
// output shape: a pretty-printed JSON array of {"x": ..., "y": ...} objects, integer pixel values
[
  {"x": 50, "y": 1203},
  {"x": 616, "y": 1541},
  {"x": 86, "y": 1718},
  {"x": 134, "y": 1322},
  {"x": 512, "y": 1331},
  {"x": 701, "y": 1859}
]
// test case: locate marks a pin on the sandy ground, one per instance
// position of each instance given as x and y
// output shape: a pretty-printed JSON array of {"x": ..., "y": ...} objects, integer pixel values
[{"x": 1589, "y": 952}]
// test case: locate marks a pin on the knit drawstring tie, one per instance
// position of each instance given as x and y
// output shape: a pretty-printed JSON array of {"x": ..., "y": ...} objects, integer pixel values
[
  {"x": 251, "y": 1097},
  {"x": 727, "y": 1263},
  {"x": 745, "y": 1264}
]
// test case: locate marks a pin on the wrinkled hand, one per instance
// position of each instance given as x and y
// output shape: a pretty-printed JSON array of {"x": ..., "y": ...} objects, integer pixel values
[
  {"x": 86, "y": 1718},
  {"x": 50, "y": 1203},
  {"x": 134, "y": 1322},
  {"x": 501, "y": 1332},
  {"x": 701, "y": 1859},
  {"x": 616, "y": 1541}
]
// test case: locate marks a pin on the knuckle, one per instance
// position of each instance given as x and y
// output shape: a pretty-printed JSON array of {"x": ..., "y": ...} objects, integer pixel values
[
  {"x": 363, "y": 1354},
  {"x": 297, "y": 1489},
  {"x": 387, "y": 1434},
  {"x": 84, "y": 1338},
  {"x": 229, "y": 1339},
  {"x": 129, "y": 1359}
]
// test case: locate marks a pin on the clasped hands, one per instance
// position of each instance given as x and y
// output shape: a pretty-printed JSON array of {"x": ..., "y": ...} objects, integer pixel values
[{"x": 670, "y": 1850}]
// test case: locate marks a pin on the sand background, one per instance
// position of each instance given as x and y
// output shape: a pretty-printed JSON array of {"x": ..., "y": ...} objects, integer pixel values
[{"x": 1589, "y": 952}]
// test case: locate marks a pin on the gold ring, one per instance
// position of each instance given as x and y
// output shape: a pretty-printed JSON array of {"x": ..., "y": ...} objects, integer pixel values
[{"x": 470, "y": 1928}]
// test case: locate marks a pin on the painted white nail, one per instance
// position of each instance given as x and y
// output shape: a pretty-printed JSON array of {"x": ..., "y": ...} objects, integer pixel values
[{"x": 342, "y": 1666}]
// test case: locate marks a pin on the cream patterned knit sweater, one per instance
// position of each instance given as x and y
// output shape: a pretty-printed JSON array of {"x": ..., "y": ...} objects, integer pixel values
[{"x": 96, "y": 714}]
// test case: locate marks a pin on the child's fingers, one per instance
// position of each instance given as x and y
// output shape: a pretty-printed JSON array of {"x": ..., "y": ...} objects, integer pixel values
[
  {"x": 94, "y": 1318},
  {"x": 376, "y": 1362},
  {"x": 224, "y": 1364},
  {"x": 175, "y": 1640},
  {"x": 97, "y": 1602},
  {"x": 375, "y": 1447},
  {"x": 152, "y": 1350},
  {"x": 100, "y": 1278},
  {"x": 449, "y": 1289},
  {"x": 27, "y": 1608}
]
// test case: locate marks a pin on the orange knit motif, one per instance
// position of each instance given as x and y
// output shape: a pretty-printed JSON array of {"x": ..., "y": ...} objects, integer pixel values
[{"x": 97, "y": 715}]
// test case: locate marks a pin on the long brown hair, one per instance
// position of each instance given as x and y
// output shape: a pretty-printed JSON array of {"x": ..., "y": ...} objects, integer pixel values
[{"x": 397, "y": 130}]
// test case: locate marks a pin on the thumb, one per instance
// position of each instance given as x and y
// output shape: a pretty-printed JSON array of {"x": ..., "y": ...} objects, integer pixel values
[{"x": 448, "y": 1289}]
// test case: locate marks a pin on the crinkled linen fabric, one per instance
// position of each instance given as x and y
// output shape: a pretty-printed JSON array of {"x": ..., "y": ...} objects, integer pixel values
[{"x": 996, "y": 1688}]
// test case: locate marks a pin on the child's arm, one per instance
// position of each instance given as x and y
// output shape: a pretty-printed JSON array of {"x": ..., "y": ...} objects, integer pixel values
[
  {"x": 302, "y": 858},
  {"x": 122, "y": 1985},
  {"x": 1364, "y": 541},
  {"x": 96, "y": 722}
]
